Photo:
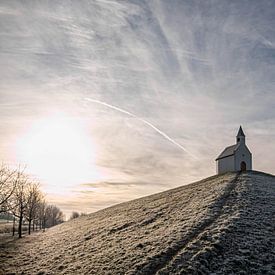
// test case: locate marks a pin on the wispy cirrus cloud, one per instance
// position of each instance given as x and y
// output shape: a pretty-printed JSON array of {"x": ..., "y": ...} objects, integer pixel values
[{"x": 195, "y": 70}]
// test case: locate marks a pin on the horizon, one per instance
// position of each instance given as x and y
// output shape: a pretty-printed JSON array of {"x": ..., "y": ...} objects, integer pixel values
[{"x": 109, "y": 101}]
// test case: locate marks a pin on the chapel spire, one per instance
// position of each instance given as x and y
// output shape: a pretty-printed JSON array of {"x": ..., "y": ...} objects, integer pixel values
[{"x": 240, "y": 138}]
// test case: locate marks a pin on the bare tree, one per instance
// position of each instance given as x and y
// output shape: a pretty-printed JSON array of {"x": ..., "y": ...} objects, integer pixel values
[
  {"x": 54, "y": 216},
  {"x": 33, "y": 199},
  {"x": 42, "y": 206},
  {"x": 19, "y": 202},
  {"x": 8, "y": 181},
  {"x": 74, "y": 215}
]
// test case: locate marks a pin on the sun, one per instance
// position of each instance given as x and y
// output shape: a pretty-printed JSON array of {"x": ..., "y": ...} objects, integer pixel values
[{"x": 59, "y": 151}]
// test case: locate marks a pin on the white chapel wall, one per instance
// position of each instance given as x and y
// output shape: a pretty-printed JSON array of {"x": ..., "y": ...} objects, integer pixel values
[
  {"x": 225, "y": 165},
  {"x": 243, "y": 154}
]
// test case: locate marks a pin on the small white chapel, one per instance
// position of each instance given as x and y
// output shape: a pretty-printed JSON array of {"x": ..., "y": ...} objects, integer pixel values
[{"x": 236, "y": 157}]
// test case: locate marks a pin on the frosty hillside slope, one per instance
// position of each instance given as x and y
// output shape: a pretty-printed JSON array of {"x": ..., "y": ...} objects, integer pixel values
[{"x": 222, "y": 225}]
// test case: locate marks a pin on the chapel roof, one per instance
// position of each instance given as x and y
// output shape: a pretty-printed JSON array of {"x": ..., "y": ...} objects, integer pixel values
[
  {"x": 228, "y": 151},
  {"x": 240, "y": 133}
]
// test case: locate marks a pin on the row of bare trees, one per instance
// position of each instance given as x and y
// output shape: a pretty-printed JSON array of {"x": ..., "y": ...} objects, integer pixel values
[{"x": 21, "y": 196}]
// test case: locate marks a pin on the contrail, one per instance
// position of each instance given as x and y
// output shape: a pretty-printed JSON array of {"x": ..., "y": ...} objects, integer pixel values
[{"x": 142, "y": 120}]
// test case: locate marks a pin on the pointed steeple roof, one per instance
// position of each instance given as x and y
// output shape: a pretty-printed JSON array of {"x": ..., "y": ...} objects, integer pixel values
[{"x": 240, "y": 133}]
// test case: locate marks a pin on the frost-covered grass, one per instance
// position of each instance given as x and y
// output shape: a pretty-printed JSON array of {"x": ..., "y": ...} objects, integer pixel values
[{"x": 221, "y": 225}]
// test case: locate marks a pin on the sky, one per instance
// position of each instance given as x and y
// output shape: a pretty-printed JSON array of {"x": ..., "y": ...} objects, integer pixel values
[{"x": 106, "y": 101}]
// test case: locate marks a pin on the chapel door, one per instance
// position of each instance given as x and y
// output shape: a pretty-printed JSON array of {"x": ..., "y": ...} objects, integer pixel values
[{"x": 243, "y": 166}]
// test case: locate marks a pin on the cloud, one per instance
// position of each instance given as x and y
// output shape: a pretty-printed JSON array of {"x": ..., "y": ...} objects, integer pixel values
[
  {"x": 195, "y": 70},
  {"x": 111, "y": 184}
]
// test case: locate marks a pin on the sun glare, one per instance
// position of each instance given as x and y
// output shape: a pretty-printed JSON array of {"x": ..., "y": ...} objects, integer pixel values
[{"x": 60, "y": 152}]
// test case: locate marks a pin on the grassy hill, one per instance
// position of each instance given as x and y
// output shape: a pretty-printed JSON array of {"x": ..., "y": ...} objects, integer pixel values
[{"x": 220, "y": 225}]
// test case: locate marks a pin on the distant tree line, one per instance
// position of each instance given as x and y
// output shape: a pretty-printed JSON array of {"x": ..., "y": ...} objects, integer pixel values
[
  {"x": 75, "y": 215},
  {"x": 22, "y": 199}
]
